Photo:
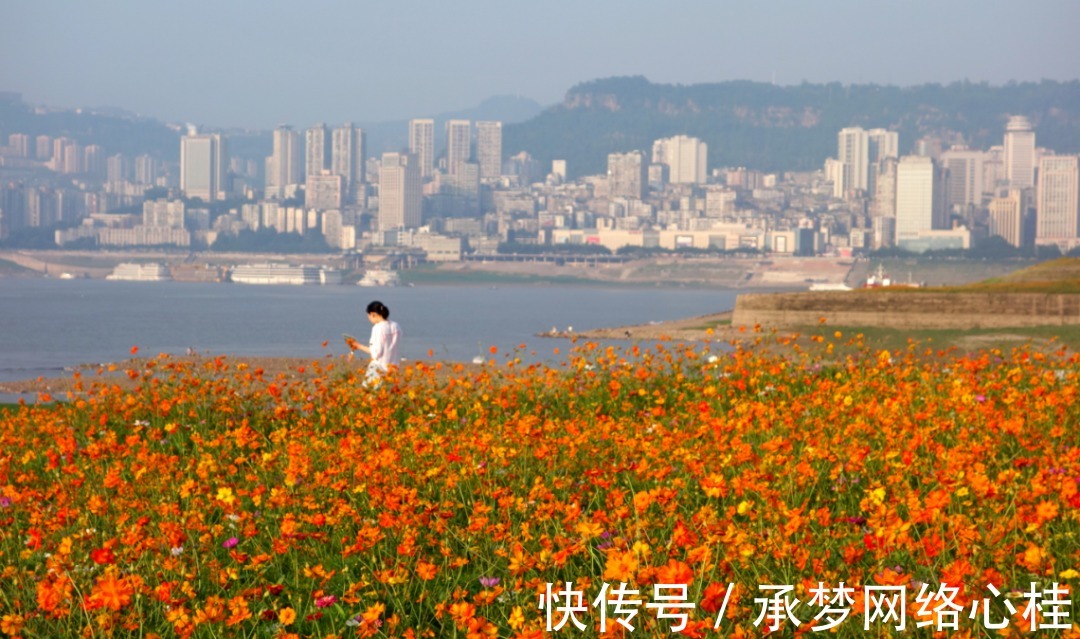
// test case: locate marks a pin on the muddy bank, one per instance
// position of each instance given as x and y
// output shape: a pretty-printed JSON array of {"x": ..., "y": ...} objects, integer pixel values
[{"x": 715, "y": 326}]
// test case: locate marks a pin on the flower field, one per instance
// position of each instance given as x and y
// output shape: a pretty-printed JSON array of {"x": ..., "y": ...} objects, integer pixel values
[{"x": 215, "y": 501}]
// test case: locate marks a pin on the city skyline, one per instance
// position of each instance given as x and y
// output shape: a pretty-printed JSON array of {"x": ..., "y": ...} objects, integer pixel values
[{"x": 88, "y": 61}]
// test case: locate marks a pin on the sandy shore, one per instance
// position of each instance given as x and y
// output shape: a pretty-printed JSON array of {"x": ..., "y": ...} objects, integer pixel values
[{"x": 715, "y": 326}]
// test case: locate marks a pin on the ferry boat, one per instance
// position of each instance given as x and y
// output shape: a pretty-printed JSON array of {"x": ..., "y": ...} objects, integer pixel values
[
  {"x": 153, "y": 272},
  {"x": 276, "y": 274},
  {"x": 881, "y": 279},
  {"x": 379, "y": 277}
]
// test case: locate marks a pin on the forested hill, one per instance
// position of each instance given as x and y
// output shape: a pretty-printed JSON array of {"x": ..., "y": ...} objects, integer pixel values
[{"x": 777, "y": 128}]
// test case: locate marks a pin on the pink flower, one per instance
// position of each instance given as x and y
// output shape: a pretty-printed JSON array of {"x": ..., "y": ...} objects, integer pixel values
[
  {"x": 323, "y": 602},
  {"x": 230, "y": 543}
]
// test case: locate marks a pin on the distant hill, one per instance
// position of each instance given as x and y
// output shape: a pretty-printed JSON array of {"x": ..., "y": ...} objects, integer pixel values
[
  {"x": 119, "y": 131},
  {"x": 110, "y": 128},
  {"x": 777, "y": 128}
]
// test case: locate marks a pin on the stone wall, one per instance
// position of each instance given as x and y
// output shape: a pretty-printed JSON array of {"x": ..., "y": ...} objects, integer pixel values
[{"x": 907, "y": 309}]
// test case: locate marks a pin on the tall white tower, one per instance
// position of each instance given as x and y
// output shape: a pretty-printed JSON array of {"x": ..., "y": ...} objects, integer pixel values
[
  {"x": 1057, "y": 206},
  {"x": 422, "y": 145},
  {"x": 853, "y": 150},
  {"x": 1020, "y": 153},
  {"x": 685, "y": 158},
  {"x": 283, "y": 166},
  {"x": 318, "y": 150},
  {"x": 458, "y": 143},
  {"x": 489, "y": 149},
  {"x": 919, "y": 205},
  {"x": 399, "y": 192},
  {"x": 347, "y": 158},
  {"x": 203, "y": 163}
]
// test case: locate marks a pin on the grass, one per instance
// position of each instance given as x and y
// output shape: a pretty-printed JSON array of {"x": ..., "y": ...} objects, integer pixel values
[
  {"x": 712, "y": 324},
  {"x": 1061, "y": 276},
  {"x": 965, "y": 340}
]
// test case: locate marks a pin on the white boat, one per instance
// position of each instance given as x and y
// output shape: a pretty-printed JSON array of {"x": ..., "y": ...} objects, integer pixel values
[
  {"x": 282, "y": 274},
  {"x": 379, "y": 277},
  {"x": 152, "y": 272}
]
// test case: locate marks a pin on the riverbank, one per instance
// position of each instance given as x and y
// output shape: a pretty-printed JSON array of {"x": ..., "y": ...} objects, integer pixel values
[{"x": 714, "y": 327}]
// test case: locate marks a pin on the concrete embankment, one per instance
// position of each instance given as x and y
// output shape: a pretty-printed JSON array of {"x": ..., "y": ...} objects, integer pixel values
[{"x": 907, "y": 309}]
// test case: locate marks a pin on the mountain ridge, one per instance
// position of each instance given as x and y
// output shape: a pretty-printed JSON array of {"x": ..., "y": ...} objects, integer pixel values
[{"x": 776, "y": 128}]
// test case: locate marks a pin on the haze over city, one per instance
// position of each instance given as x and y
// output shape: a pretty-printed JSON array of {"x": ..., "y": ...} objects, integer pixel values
[{"x": 254, "y": 64}]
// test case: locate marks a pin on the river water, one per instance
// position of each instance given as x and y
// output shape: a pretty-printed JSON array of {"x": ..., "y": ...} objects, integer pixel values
[{"x": 47, "y": 325}]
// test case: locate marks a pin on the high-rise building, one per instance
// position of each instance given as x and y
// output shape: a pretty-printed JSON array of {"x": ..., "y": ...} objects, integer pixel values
[
  {"x": 19, "y": 143},
  {"x": 1057, "y": 206},
  {"x": 203, "y": 161},
  {"x": 349, "y": 152},
  {"x": 1007, "y": 215},
  {"x": 324, "y": 191},
  {"x": 489, "y": 149},
  {"x": 164, "y": 213},
  {"x": 558, "y": 169},
  {"x": 627, "y": 174},
  {"x": 118, "y": 169},
  {"x": 458, "y": 143},
  {"x": 853, "y": 150},
  {"x": 400, "y": 187},
  {"x": 317, "y": 155},
  {"x": 1019, "y": 153},
  {"x": 145, "y": 170},
  {"x": 919, "y": 197},
  {"x": 94, "y": 161},
  {"x": 884, "y": 203},
  {"x": 43, "y": 147},
  {"x": 880, "y": 145},
  {"x": 965, "y": 186},
  {"x": 685, "y": 157},
  {"x": 283, "y": 166},
  {"x": 834, "y": 173},
  {"x": 422, "y": 145}
]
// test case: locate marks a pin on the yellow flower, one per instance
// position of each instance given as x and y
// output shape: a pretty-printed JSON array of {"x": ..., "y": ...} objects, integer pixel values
[
  {"x": 226, "y": 496},
  {"x": 517, "y": 618},
  {"x": 589, "y": 529},
  {"x": 877, "y": 496},
  {"x": 744, "y": 507}
]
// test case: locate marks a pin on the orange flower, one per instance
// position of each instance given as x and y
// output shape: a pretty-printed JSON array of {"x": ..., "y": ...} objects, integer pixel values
[
  {"x": 111, "y": 592},
  {"x": 286, "y": 616},
  {"x": 675, "y": 572},
  {"x": 621, "y": 566},
  {"x": 425, "y": 571},
  {"x": 374, "y": 611}
]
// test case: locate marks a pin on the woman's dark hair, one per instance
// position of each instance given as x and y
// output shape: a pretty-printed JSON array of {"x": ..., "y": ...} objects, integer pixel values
[{"x": 380, "y": 309}]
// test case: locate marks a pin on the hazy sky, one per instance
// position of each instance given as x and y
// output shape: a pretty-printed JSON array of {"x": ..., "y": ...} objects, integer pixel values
[{"x": 258, "y": 63}]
